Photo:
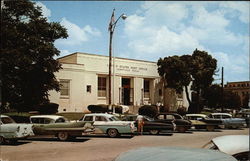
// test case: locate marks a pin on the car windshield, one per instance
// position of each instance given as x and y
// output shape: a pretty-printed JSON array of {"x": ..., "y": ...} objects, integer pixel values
[
  {"x": 210, "y": 145},
  {"x": 113, "y": 118},
  {"x": 7, "y": 120}
]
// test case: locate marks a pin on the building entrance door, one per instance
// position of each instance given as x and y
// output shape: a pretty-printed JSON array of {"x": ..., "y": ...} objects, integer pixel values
[{"x": 126, "y": 91}]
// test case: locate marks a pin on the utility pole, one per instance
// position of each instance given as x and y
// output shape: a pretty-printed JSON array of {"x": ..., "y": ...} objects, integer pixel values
[{"x": 222, "y": 89}]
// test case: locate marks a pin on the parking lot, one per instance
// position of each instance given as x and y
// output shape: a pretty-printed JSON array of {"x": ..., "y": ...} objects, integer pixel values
[{"x": 102, "y": 148}]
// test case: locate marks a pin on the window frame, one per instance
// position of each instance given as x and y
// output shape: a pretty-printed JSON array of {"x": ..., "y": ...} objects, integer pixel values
[
  {"x": 64, "y": 88},
  {"x": 102, "y": 87}
]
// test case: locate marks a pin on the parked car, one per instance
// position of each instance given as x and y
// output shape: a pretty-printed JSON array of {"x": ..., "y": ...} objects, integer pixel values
[
  {"x": 201, "y": 121},
  {"x": 151, "y": 125},
  {"x": 60, "y": 127},
  {"x": 244, "y": 115},
  {"x": 10, "y": 131},
  {"x": 173, "y": 154},
  {"x": 47, "y": 119},
  {"x": 235, "y": 145},
  {"x": 182, "y": 125},
  {"x": 228, "y": 120},
  {"x": 109, "y": 124}
]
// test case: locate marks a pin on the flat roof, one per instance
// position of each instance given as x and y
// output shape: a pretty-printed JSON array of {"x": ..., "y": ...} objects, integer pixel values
[{"x": 105, "y": 56}]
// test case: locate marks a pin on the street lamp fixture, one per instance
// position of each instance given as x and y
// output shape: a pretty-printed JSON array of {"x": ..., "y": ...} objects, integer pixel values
[{"x": 112, "y": 26}]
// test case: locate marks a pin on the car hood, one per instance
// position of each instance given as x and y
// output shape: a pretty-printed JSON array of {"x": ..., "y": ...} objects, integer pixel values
[
  {"x": 232, "y": 144},
  {"x": 173, "y": 154}
]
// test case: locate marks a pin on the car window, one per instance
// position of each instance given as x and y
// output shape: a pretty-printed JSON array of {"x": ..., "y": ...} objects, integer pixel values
[
  {"x": 7, "y": 120},
  {"x": 100, "y": 118},
  {"x": 113, "y": 118},
  {"x": 178, "y": 116},
  {"x": 217, "y": 116},
  {"x": 60, "y": 120},
  {"x": 169, "y": 117},
  {"x": 161, "y": 117},
  {"x": 88, "y": 118},
  {"x": 48, "y": 121},
  {"x": 225, "y": 117},
  {"x": 37, "y": 120}
]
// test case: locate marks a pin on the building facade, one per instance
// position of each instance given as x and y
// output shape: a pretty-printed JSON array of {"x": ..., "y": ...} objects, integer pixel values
[
  {"x": 84, "y": 81},
  {"x": 242, "y": 89}
]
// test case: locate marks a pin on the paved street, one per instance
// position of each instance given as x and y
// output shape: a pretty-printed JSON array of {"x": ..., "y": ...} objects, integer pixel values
[{"x": 102, "y": 148}]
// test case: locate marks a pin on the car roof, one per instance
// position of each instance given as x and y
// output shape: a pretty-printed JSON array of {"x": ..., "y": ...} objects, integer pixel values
[
  {"x": 221, "y": 114},
  {"x": 3, "y": 116},
  {"x": 201, "y": 115},
  {"x": 232, "y": 144},
  {"x": 99, "y": 114},
  {"x": 173, "y": 154},
  {"x": 47, "y": 116}
]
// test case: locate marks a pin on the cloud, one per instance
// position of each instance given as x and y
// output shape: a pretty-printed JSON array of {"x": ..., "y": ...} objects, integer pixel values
[
  {"x": 45, "y": 11},
  {"x": 77, "y": 35},
  {"x": 237, "y": 9}
]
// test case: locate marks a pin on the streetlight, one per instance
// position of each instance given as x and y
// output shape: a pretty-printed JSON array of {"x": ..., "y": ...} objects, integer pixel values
[{"x": 112, "y": 25}]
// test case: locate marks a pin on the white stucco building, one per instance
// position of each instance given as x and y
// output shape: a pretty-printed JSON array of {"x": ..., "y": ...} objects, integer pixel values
[{"x": 84, "y": 80}]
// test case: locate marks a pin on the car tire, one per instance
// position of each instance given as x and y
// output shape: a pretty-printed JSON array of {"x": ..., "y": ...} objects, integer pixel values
[
  {"x": 154, "y": 132},
  {"x": 2, "y": 140},
  {"x": 181, "y": 129},
  {"x": 112, "y": 133},
  {"x": 210, "y": 128},
  {"x": 62, "y": 136}
]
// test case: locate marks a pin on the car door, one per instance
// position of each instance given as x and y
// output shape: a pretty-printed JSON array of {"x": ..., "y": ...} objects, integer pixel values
[{"x": 101, "y": 124}]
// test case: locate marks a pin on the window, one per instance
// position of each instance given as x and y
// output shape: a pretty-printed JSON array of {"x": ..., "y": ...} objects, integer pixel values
[
  {"x": 102, "y": 87},
  {"x": 64, "y": 87},
  {"x": 161, "y": 117},
  {"x": 146, "y": 89},
  {"x": 88, "y": 118},
  {"x": 170, "y": 117},
  {"x": 100, "y": 118},
  {"x": 89, "y": 88}
]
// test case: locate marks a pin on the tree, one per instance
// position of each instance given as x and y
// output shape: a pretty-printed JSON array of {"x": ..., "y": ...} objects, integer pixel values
[
  {"x": 175, "y": 72},
  {"x": 213, "y": 96},
  {"x": 231, "y": 100},
  {"x": 27, "y": 55},
  {"x": 179, "y": 71}
]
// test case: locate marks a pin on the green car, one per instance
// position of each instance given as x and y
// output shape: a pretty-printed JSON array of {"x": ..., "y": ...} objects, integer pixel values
[{"x": 62, "y": 130}]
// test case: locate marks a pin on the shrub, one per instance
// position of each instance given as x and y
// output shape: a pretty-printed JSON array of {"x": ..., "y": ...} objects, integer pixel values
[
  {"x": 102, "y": 108},
  {"x": 48, "y": 108},
  {"x": 148, "y": 110}
]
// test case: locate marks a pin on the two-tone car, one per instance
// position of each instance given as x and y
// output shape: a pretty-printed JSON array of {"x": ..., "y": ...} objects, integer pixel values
[
  {"x": 109, "y": 124},
  {"x": 60, "y": 127},
  {"x": 228, "y": 120},
  {"x": 182, "y": 125},
  {"x": 10, "y": 131},
  {"x": 202, "y": 121}
]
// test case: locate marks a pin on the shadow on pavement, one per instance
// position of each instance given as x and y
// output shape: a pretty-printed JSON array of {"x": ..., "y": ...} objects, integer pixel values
[
  {"x": 54, "y": 139},
  {"x": 204, "y": 130},
  {"x": 19, "y": 142}
]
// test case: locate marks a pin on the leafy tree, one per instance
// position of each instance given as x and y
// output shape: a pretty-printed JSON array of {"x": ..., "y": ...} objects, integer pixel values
[
  {"x": 179, "y": 71},
  {"x": 213, "y": 96},
  {"x": 27, "y": 51},
  {"x": 231, "y": 100}
]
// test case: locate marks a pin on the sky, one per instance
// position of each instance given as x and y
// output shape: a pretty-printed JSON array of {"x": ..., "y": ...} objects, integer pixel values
[{"x": 158, "y": 29}]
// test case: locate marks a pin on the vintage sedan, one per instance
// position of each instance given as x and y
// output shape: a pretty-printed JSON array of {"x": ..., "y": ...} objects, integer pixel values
[
  {"x": 173, "y": 154},
  {"x": 228, "y": 120},
  {"x": 109, "y": 124},
  {"x": 235, "y": 145},
  {"x": 201, "y": 121},
  {"x": 47, "y": 119},
  {"x": 59, "y": 126},
  {"x": 182, "y": 125},
  {"x": 10, "y": 131},
  {"x": 151, "y": 125}
]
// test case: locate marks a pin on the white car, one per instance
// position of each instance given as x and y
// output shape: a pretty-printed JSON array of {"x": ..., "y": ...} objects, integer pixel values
[
  {"x": 109, "y": 124},
  {"x": 228, "y": 120},
  {"x": 235, "y": 145},
  {"x": 10, "y": 131}
]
